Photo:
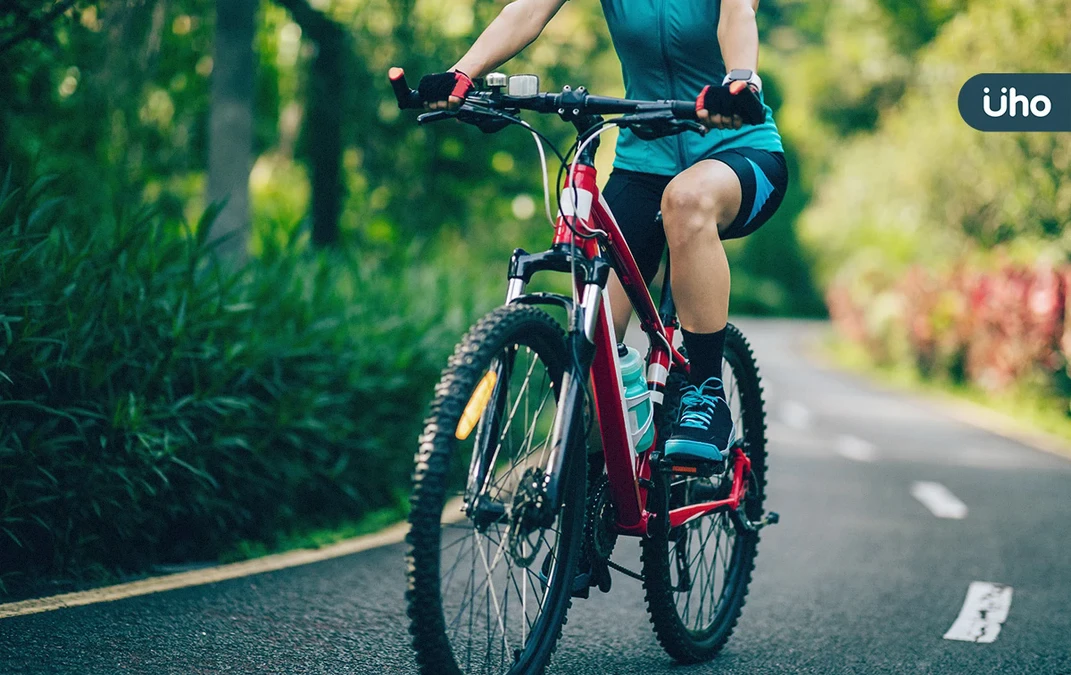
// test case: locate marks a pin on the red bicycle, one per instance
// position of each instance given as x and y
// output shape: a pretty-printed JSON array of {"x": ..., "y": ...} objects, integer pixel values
[{"x": 510, "y": 516}]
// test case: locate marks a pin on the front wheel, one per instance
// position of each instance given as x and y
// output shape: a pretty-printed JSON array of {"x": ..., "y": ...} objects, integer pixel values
[
  {"x": 490, "y": 564},
  {"x": 697, "y": 574}
]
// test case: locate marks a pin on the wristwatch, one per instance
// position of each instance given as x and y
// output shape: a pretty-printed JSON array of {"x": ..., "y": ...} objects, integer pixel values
[{"x": 744, "y": 75}]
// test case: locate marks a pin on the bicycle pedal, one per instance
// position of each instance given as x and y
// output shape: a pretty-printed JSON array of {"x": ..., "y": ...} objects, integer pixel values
[
  {"x": 692, "y": 467},
  {"x": 601, "y": 578},
  {"x": 771, "y": 518},
  {"x": 605, "y": 583},
  {"x": 582, "y": 585}
]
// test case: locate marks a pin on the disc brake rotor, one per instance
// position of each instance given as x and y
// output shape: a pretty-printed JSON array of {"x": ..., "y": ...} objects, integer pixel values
[{"x": 525, "y": 534}]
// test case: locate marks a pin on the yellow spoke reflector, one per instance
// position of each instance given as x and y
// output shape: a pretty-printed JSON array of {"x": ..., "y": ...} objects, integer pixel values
[{"x": 476, "y": 404}]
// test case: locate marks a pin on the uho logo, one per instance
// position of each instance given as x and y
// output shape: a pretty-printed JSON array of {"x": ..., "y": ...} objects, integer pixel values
[
  {"x": 1039, "y": 105},
  {"x": 1017, "y": 102}
]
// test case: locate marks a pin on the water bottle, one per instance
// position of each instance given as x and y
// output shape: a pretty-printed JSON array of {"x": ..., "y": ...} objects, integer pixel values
[{"x": 637, "y": 398}]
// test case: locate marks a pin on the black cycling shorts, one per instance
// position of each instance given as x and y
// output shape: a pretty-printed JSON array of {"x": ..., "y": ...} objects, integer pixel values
[{"x": 635, "y": 199}]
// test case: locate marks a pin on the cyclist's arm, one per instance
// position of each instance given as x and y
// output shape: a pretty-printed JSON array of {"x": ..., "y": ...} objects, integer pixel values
[
  {"x": 517, "y": 25},
  {"x": 738, "y": 34}
]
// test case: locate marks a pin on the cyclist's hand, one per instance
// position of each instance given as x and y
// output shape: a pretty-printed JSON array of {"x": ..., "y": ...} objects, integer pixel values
[
  {"x": 729, "y": 106},
  {"x": 444, "y": 90}
]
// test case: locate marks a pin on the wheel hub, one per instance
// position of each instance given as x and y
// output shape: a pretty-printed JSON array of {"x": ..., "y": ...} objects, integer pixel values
[{"x": 526, "y": 518}]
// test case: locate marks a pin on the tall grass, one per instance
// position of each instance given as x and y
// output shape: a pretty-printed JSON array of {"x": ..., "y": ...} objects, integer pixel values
[{"x": 156, "y": 406}]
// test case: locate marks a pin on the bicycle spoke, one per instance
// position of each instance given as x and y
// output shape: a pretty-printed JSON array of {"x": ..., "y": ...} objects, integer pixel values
[
  {"x": 513, "y": 411},
  {"x": 532, "y": 421},
  {"x": 483, "y": 585},
  {"x": 522, "y": 455},
  {"x": 703, "y": 563},
  {"x": 702, "y": 575},
  {"x": 712, "y": 593},
  {"x": 449, "y": 576}
]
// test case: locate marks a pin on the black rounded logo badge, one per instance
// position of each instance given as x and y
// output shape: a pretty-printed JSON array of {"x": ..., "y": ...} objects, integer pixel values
[{"x": 1017, "y": 102}]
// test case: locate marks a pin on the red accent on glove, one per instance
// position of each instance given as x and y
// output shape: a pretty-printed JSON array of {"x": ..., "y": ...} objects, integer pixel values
[
  {"x": 463, "y": 86},
  {"x": 700, "y": 100}
]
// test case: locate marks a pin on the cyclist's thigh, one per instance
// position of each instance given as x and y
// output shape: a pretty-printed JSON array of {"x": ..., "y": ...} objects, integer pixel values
[
  {"x": 635, "y": 199},
  {"x": 763, "y": 177},
  {"x": 709, "y": 187}
]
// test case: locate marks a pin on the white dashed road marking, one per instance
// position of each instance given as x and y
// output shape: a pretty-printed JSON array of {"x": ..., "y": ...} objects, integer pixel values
[
  {"x": 795, "y": 415},
  {"x": 856, "y": 449},
  {"x": 984, "y": 610},
  {"x": 939, "y": 500}
]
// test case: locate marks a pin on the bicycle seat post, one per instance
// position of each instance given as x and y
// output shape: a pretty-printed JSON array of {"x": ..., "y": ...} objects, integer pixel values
[{"x": 667, "y": 309}]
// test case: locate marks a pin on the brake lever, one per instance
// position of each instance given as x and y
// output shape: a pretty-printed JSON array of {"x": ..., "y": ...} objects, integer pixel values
[
  {"x": 692, "y": 125},
  {"x": 649, "y": 126},
  {"x": 437, "y": 116},
  {"x": 486, "y": 122}
]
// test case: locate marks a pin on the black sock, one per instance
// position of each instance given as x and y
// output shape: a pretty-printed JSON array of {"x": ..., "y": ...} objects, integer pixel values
[{"x": 704, "y": 355}]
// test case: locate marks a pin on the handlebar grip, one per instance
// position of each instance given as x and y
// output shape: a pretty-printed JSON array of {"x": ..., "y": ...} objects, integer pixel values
[
  {"x": 684, "y": 110},
  {"x": 407, "y": 98}
]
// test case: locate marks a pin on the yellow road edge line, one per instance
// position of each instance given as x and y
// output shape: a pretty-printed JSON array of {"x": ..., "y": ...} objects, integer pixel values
[{"x": 210, "y": 575}]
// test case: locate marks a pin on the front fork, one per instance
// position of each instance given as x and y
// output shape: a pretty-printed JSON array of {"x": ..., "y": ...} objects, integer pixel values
[{"x": 568, "y": 427}]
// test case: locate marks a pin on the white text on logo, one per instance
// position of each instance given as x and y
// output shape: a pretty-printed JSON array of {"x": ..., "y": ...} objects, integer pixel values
[{"x": 1039, "y": 106}]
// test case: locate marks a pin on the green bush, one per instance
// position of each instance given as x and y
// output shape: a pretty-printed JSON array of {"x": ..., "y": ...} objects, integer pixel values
[
  {"x": 925, "y": 188},
  {"x": 155, "y": 406}
]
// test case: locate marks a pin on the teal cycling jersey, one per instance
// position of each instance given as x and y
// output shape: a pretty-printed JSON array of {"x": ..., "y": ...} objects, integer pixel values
[{"x": 669, "y": 50}]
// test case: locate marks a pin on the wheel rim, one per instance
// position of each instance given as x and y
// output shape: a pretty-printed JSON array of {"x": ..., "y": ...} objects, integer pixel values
[{"x": 496, "y": 562}]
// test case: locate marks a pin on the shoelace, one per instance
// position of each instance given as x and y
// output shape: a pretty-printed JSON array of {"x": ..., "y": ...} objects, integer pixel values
[{"x": 698, "y": 407}]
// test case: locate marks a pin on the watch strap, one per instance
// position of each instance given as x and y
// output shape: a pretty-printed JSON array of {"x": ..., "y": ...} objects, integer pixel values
[{"x": 743, "y": 75}]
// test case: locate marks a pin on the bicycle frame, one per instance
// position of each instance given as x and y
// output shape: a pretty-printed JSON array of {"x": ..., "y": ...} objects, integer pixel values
[{"x": 594, "y": 340}]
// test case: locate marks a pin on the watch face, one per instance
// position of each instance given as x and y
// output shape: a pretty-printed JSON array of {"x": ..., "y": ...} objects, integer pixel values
[{"x": 740, "y": 74}]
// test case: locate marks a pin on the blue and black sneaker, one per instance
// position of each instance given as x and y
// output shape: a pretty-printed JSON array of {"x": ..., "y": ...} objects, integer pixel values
[{"x": 705, "y": 427}]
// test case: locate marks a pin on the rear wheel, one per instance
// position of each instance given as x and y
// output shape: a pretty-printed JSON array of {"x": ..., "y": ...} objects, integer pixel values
[
  {"x": 697, "y": 574},
  {"x": 490, "y": 564}
]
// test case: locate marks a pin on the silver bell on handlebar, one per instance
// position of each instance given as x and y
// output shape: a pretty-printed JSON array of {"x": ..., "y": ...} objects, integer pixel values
[
  {"x": 495, "y": 80},
  {"x": 522, "y": 86},
  {"x": 519, "y": 86}
]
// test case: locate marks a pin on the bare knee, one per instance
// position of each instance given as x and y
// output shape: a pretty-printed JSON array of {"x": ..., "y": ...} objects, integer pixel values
[{"x": 689, "y": 213}]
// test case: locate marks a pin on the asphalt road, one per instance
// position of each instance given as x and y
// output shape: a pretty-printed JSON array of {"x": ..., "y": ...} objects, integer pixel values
[{"x": 859, "y": 577}]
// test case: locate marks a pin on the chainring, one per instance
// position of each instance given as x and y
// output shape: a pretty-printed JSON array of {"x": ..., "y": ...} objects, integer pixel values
[{"x": 600, "y": 535}]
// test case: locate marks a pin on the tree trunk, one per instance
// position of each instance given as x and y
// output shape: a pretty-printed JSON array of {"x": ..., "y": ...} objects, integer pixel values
[
  {"x": 323, "y": 133},
  {"x": 325, "y": 107},
  {"x": 231, "y": 123}
]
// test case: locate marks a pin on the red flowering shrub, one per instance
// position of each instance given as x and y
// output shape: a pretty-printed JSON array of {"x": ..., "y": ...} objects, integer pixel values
[{"x": 995, "y": 328}]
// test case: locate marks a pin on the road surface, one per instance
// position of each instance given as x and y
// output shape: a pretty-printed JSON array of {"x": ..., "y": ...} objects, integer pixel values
[{"x": 890, "y": 510}]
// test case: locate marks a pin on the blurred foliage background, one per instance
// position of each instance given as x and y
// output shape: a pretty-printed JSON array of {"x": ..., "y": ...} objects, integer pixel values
[{"x": 169, "y": 395}]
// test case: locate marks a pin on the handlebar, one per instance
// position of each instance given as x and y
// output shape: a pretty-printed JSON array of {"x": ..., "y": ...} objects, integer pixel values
[{"x": 569, "y": 103}]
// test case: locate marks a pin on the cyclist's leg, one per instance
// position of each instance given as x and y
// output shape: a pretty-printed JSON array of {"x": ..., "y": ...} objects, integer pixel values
[
  {"x": 635, "y": 198},
  {"x": 696, "y": 205},
  {"x": 725, "y": 197},
  {"x": 721, "y": 197}
]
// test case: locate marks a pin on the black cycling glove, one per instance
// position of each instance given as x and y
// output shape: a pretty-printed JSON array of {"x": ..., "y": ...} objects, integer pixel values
[
  {"x": 441, "y": 86},
  {"x": 735, "y": 98}
]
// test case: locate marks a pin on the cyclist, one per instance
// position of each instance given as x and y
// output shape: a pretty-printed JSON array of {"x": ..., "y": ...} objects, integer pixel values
[{"x": 723, "y": 185}]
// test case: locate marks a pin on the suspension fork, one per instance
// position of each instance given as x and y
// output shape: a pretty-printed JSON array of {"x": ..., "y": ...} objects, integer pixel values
[
  {"x": 485, "y": 452},
  {"x": 569, "y": 422}
]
